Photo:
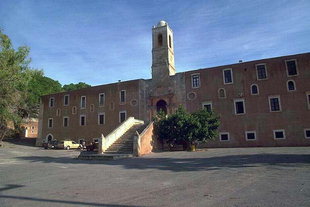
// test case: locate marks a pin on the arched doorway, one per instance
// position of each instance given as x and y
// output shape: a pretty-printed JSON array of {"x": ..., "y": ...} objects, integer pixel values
[
  {"x": 161, "y": 106},
  {"x": 49, "y": 138}
]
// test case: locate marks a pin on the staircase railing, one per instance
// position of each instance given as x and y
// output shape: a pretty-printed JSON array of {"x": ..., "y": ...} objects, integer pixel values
[{"x": 106, "y": 142}]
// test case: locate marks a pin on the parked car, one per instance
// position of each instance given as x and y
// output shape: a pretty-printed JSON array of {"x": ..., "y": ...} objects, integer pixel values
[
  {"x": 50, "y": 145},
  {"x": 68, "y": 144}
]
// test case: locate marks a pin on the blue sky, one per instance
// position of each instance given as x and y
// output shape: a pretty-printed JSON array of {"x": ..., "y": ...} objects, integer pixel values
[{"x": 104, "y": 41}]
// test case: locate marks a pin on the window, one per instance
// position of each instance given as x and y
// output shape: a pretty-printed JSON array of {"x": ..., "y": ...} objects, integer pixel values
[
  {"x": 207, "y": 105},
  {"x": 50, "y": 123},
  {"x": 122, "y": 116},
  {"x": 291, "y": 67},
  {"x": 92, "y": 107},
  {"x": 222, "y": 93},
  {"x": 291, "y": 85},
  {"x": 308, "y": 99},
  {"x": 250, "y": 135},
  {"x": 122, "y": 96},
  {"x": 169, "y": 41},
  {"x": 224, "y": 136},
  {"x": 83, "y": 102},
  {"x": 160, "y": 40},
  {"x": 254, "y": 89},
  {"x": 307, "y": 133},
  {"x": 101, "y": 119},
  {"x": 51, "y": 102},
  {"x": 239, "y": 106},
  {"x": 32, "y": 127},
  {"x": 66, "y": 100},
  {"x": 279, "y": 134},
  {"x": 261, "y": 71},
  {"x": 66, "y": 121},
  {"x": 195, "y": 81},
  {"x": 274, "y": 103},
  {"x": 227, "y": 75},
  {"x": 82, "y": 120},
  {"x": 58, "y": 111},
  {"x": 101, "y": 99},
  {"x": 74, "y": 110}
]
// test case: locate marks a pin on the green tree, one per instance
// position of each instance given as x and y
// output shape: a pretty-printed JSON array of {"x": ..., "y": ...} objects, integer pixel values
[
  {"x": 185, "y": 128},
  {"x": 38, "y": 86},
  {"x": 14, "y": 77},
  {"x": 72, "y": 86}
]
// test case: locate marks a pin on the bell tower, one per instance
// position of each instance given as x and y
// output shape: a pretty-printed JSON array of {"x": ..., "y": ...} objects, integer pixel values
[{"x": 162, "y": 52}]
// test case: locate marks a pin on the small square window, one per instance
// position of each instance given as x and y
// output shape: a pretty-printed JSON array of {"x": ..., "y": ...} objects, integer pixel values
[
  {"x": 307, "y": 133},
  {"x": 291, "y": 67},
  {"x": 250, "y": 135},
  {"x": 66, "y": 100},
  {"x": 195, "y": 80},
  {"x": 279, "y": 134},
  {"x": 224, "y": 136},
  {"x": 207, "y": 105},
  {"x": 239, "y": 106},
  {"x": 122, "y": 116},
  {"x": 228, "y": 76},
  {"x": 261, "y": 71},
  {"x": 274, "y": 103}
]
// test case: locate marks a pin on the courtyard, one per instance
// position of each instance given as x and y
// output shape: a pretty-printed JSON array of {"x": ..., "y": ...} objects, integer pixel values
[{"x": 31, "y": 176}]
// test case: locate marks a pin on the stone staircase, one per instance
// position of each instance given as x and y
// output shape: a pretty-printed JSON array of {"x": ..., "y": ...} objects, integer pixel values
[{"x": 124, "y": 145}]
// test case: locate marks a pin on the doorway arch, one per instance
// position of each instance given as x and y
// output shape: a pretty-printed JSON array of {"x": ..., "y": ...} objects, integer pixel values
[
  {"x": 161, "y": 105},
  {"x": 49, "y": 137}
]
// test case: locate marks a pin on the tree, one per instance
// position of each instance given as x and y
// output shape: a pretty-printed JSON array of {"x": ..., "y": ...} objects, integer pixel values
[
  {"x": 14, "y": 77},
  {"x": 72, "y": 86},
  {"x": 38, "y": 86},
  {"x": 185, "y": 128}
]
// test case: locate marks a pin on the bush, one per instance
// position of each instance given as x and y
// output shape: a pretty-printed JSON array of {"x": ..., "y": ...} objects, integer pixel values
[{"x": 185, "y": 128}]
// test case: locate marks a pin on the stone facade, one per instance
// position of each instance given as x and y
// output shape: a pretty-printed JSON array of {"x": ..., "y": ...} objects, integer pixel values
[{"x": 260, "y": 103}]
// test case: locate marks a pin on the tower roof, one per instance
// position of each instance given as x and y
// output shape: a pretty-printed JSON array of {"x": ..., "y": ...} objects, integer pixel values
[{"x": 161, "y": 23}]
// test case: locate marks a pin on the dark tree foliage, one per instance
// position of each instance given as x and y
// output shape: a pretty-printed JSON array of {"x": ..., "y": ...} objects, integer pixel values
[
  {"x": 72, "y": 86},
  {"x": 186, "y": 128},
  {"x": 40, "y": 85}
]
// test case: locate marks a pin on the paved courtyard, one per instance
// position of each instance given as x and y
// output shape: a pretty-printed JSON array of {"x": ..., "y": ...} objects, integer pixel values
[{"x": 257, "y": 177}]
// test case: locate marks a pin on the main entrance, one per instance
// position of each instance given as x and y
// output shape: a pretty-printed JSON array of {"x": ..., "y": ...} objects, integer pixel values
[{"x": 161, "y": 105}]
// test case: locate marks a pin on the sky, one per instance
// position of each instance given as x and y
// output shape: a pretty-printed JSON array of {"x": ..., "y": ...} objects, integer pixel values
[{"x": 103, "y": 41}]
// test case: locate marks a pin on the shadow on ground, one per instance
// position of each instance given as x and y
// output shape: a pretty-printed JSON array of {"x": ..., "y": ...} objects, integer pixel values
[
  {"x": 21, "y": 141},
  {"x": 188, "y": 164}
]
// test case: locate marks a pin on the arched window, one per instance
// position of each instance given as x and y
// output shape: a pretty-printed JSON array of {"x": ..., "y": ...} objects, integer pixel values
[
  {"x": 254, "y": 89},
  {"x": 222, "y": 93},
  {"x": 169, "y": 41},
  {"x": 160, "y": 40},
  {"x": 291, "y": 85}
]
